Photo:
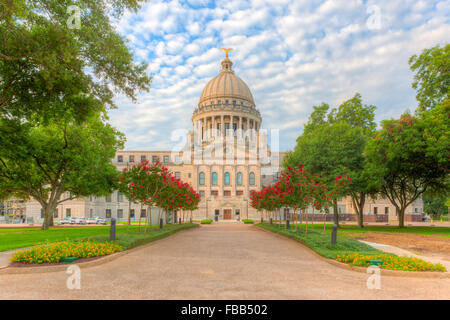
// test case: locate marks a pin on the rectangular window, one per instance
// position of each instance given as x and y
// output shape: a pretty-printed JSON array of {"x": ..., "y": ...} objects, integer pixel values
[
  {"x": 237, "y": 212},
  {"x": 108, "y": 198},
  {"x": 55, "y": 213},
  {"x": 91, "y": 213},
  {"x": 166, "y": 159},
  {"x": 386, "y": 210},
  {"x": 227, "y": 193},
  {"x": 119, "y": 213},
  {"x": 143, "y": 213},
  {"x": 202, "y": 194},
  {"x": 214, "y": 192},
  {"x": 120, "y": 158},
  {"x": 189, "y": 175},
  {"x": 42, "y": 213},
  {"x": 108, "y": 213},
  {"x": 375, "y": 210},
  {"x": 131, "y": 158},
  {"x": 131, "y": 213},
  {"x": 143, "y": 158},
  {"x": 119, "y": 196},
  {"x": 68, "y": 212},
  {"x": 178, "y": 175},
  {"x": 239, "y": 192},
  {"x": 154, "y": 159},
  {"x": 177, "y": 159}
]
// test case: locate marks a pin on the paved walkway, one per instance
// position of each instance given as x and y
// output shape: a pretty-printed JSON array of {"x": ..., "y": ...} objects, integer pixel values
[
  {"x": 402, "y": 252},
  {"x": 220, "y": 262}
]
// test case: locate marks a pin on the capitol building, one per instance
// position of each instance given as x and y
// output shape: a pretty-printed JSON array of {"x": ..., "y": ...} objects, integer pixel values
[{"x": 225, "y": 157}]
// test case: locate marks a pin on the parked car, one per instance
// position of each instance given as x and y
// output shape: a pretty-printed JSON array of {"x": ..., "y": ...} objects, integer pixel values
[
  {"x": 96, "y": 220},
  {"x": 79, "y": 220},
  {"x": 66, "y": 221}
]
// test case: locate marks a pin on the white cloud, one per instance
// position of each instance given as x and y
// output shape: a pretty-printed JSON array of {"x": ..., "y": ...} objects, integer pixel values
[{"x": 293, "y": 54}]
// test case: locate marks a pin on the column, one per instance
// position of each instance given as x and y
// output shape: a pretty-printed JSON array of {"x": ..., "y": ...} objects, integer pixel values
[
  {"x": 222, "y": 126},
  {"x": 240, "y": 125}
]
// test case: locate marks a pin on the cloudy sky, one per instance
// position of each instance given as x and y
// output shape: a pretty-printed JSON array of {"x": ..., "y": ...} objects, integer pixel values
[{"x": 292, "y": 54}]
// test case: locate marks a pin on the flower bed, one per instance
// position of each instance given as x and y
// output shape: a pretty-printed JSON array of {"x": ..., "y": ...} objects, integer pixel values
[
  {"x": 54, "y": 252},
  {"x": 390, "y": 262}
]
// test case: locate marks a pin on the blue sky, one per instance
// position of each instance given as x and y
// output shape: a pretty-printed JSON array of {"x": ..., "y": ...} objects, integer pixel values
[{"x": 292, "y": 55}]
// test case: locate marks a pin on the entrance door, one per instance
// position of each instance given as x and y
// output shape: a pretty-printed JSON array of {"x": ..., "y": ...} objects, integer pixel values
[{"x": 227, "y": 214}]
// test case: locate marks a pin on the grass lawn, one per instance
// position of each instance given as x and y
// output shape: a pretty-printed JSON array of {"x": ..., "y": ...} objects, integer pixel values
[
  {"x": 350, "y": 230},
  {"x": 15, "y": 238},
  {"x": 136, "y": 238},
  {"x": 321, "y": 243}
]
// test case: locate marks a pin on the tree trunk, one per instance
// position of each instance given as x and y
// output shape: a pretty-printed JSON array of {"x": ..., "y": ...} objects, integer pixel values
[
  {"x": 150, "y": 218},
  {"x": 129, "y": 213},
  {"x": 401, "y": 217},
  {"x": 358, "y": 201},
  {"x": 335, "y": 212}
]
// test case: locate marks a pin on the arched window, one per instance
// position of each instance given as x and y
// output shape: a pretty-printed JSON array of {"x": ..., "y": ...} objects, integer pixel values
[
  {"x": 201, "y": 179},
  {"x": 226, "y": 178},
  {"x": 214, "y": 178},
  {"x": 239, "y": 178},
  {"x": 251, "y": 179}
]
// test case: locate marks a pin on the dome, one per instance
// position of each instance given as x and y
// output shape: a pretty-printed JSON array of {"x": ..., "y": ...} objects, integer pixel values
[{"x": 226, "y": 86}]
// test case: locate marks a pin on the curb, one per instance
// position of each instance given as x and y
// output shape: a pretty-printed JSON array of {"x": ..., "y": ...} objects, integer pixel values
[
  {"x": 384, "y": 272},
  {"x": 84, "y": 265}
]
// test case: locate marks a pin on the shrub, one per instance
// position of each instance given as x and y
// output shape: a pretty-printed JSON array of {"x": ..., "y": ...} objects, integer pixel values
[
  {"x": 247, "y": 221},
  {"x": 206, "y": 221},
  {"x": 54, "y": 252},
  {"x": 391, "y": 262}
]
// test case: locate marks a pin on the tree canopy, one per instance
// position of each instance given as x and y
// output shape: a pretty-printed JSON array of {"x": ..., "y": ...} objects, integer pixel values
[
  {"x": 50, "y": 70},
  {"x": 432, "y": 78},
  {"x": 43, "y": 162}
]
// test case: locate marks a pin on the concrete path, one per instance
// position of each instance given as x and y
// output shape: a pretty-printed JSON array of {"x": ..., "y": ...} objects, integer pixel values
[
  {"x": 220, "y": 262},
  {"x": 4, "y": 257},
  {"x": 402, "y": 252}
]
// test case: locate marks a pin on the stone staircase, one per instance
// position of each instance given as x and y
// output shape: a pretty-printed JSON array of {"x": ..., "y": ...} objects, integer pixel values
[{"x": 228, "y": 222}]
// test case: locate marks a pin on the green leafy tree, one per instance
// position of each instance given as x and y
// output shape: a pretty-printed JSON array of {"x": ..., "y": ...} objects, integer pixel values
[
  {"x": 435, "y": 204},
  {"x": 49, "y": 69},
  {"x": 432, "y": 78},
  {"x": 410, "y": 155},
  {"x": 43, "y": 162},
  {"x": 332, "y": 144}
]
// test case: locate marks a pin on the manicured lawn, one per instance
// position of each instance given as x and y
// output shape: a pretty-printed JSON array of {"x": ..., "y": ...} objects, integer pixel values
[
  {"x": 351, "y": 229},
  {"x": 26, "y": 237},
  {"x": 136, "y": 238},
  {"x": 321, "y": 243}
]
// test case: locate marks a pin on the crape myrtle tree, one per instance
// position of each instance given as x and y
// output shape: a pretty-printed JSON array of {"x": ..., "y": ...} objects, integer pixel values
[
  {"x": 177, "y": 195},
  {"x": 294, "y": 184},
  {"x": 154, "y": 186},
  {"x": 333, "y": 143},
  {"x": 43, "y": 162},
  {"x": 411, "y": 155},
  {"x": 142, "y": 183}
]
